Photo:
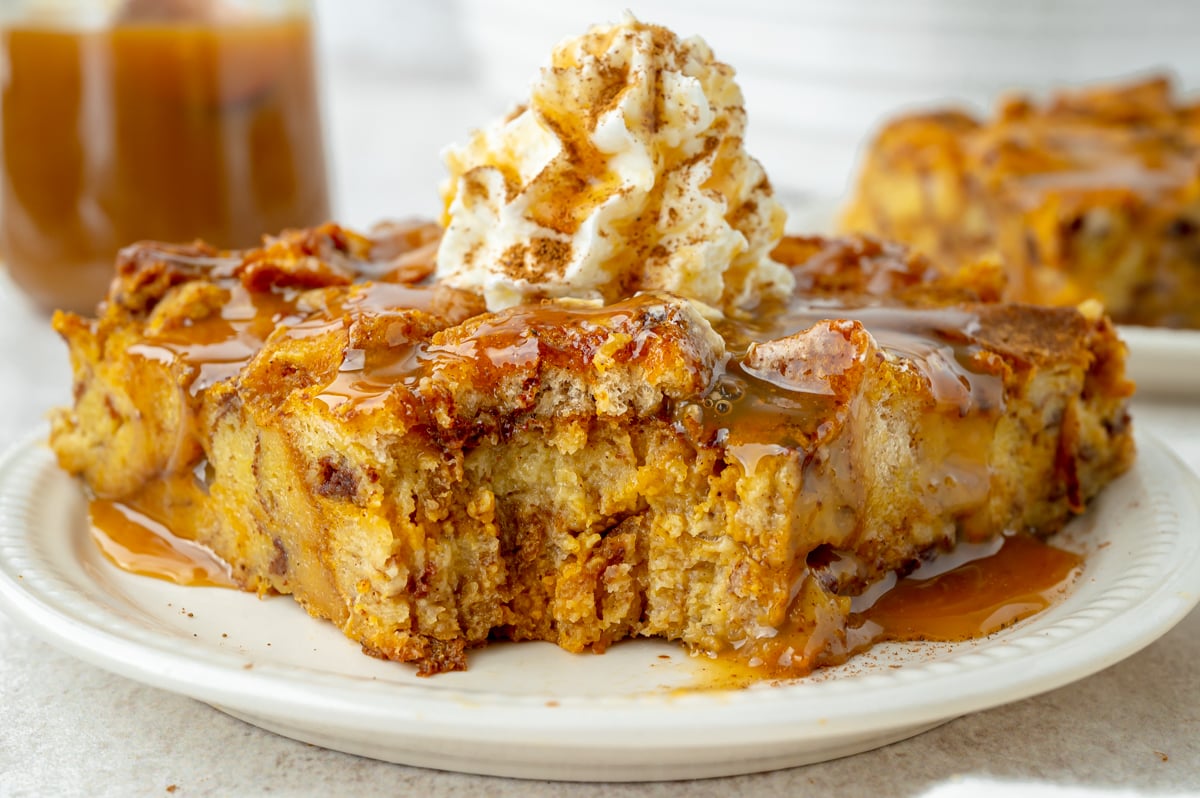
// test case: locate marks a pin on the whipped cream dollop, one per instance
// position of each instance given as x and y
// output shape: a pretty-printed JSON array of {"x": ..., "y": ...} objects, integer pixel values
[{"x": 626, "y": 171}]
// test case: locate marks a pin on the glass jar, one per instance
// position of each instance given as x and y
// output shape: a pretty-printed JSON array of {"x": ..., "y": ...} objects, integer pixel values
[{"x": 171, "y": 120}]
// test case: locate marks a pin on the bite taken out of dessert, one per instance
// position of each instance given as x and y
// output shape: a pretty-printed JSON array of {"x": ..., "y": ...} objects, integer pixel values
[{"x": 604, "y": 398}]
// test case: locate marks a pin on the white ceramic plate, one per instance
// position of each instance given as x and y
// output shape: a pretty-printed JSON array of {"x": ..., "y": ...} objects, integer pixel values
[
  {"x": 1163, "y": 361},
  {"x": 531, "y": 710}
]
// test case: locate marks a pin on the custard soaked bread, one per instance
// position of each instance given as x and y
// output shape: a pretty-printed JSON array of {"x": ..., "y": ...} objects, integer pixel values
[
  {"x": 1092, "y": 195},
  {"x": 429, "y": 475},
  {"x": 601, "y": 400}
]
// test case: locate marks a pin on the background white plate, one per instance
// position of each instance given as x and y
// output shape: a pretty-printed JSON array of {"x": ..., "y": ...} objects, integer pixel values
[
  {"x": 1163, "y": 361},
  {"x": 531, "y": 710}
]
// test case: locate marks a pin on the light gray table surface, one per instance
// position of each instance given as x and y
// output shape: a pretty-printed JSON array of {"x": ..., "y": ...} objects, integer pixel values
[{"x": 68, "y": 728}]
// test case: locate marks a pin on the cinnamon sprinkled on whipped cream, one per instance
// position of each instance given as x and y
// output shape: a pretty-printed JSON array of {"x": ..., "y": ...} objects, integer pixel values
[{"x": 626, "y": 171}]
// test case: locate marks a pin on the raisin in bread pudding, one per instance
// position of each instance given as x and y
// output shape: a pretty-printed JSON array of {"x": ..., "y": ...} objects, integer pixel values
[
  {"x": 1094, "y": 194},
  {"x": 642, "y": 414}
]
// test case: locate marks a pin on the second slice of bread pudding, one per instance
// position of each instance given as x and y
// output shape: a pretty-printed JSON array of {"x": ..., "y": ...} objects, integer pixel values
[
  {"x": 1093, "y": 194},
  {"x": 429, "y": 476}
]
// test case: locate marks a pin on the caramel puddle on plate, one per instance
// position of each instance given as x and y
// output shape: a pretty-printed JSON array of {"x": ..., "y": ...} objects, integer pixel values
[
  {"x": 965, "y": 594},
  {"x": 136, "y": 543}
]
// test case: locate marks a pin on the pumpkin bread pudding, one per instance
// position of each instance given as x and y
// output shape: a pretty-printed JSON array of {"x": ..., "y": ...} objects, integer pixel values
[
  {"x": 1093, "y": 194},
  {"x": 604, "y": 398}
]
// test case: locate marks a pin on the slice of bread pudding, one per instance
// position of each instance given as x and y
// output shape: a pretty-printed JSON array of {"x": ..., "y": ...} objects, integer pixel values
[
  {"x": 1094, "y": 194},
  {"x": 429, "y": 476}
]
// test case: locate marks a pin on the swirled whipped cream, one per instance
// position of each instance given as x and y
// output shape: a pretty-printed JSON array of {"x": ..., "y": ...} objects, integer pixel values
[{"x": 626, "y": 171}]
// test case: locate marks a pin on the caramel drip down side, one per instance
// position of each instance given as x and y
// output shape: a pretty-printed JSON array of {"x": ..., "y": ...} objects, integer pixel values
[{"x": 137, "y": 543}]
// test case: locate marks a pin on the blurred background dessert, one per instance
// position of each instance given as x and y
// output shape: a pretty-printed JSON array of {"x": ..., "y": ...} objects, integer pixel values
[{"x": 1092, "y": 194}]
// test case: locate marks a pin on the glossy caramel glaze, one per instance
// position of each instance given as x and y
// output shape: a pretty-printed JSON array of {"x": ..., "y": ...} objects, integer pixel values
[
  {"x": 965, "y": 594},
  {"x": 1006, "y": 582},
  {"x": 265, "y": 290},
  {"x": 136, "y": 543}
]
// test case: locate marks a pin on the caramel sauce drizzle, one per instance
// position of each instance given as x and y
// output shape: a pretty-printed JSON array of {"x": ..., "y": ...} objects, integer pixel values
[
  {"x": 498, "y": 346},
  {"x": 218, "y": 347},
  {"x": 936, "y": 340},
  {"x": 135, "y": 542},
  {"x": 970, "y": 592},
  {"x": 992, "y": 587}
]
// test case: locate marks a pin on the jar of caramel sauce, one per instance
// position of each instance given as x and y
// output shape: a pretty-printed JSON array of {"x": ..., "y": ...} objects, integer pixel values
[{"x": 170, "y": 120}]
